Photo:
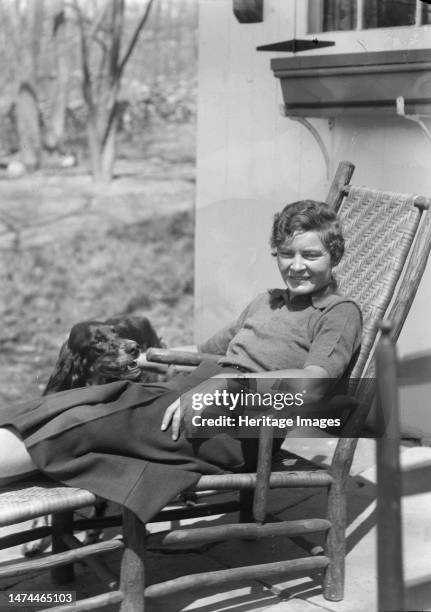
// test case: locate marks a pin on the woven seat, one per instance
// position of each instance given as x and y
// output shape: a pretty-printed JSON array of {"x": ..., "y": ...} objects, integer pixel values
[
  {"x": 26, "y": 500},
  {"x": 388, "y": 238}
]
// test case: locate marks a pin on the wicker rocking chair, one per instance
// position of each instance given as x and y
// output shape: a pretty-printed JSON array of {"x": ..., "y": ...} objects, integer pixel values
[{"x": 390, "y": 235}]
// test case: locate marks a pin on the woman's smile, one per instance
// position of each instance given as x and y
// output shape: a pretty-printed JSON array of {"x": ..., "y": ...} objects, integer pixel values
[{"x": 304, "y": 263}]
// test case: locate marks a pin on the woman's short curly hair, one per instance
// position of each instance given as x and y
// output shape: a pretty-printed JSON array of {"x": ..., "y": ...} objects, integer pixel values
[{"x": 309, "y": 216}]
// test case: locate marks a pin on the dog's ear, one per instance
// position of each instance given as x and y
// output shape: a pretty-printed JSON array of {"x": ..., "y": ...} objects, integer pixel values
[
  {"x": 146, "y": 333},
  {"x": 136, "y": 328},
  {"x": 68, "y": 372},
  {"x": 80, "y": 337}
]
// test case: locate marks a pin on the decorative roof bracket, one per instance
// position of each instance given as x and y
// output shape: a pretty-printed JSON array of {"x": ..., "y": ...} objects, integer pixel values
[
  {"x": 416, "y": 118},
  {"x": 317, "y": 137}
]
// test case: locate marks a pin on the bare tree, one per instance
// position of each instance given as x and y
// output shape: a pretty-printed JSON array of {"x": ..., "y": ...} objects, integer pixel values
[
  {"x": 35, "y": 74},
  {"x": 28, "y": 127},
  {"x": 76, "y": 58},
  {"x": 103, "y": 60},
  {"x": 62, "y": 43},
  {"x": 22, "y": 36}
]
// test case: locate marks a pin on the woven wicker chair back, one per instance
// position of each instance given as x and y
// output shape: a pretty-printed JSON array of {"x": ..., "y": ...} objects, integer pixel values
[{"x": 379, "y": 229}]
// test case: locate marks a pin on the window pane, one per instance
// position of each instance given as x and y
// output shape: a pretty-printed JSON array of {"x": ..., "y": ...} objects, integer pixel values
[
  {"x": 339, "y": 15},
  {"x": 329, "y": 15},
  {"x": 426, "y": 14},
  {"x": 315, "y": 15},
  {"x": 389, "y": 13}
]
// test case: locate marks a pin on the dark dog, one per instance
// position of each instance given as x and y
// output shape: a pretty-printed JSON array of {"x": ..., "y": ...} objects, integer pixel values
[{"x": 98, "y": 352}]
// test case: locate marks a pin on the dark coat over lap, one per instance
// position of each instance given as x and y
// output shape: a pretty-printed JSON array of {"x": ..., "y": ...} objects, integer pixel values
[{"x": 107, "y": 439}]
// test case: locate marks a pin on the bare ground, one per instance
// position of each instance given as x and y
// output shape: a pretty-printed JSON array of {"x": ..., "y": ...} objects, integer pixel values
[{"x": 71, "y": 251}]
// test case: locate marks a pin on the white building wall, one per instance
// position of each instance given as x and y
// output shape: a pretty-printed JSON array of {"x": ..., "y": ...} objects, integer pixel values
[{"x": 252, "y": 160}]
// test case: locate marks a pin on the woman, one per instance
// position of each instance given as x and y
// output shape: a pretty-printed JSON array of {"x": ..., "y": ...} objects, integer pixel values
[{"x": 126, "y": 441}]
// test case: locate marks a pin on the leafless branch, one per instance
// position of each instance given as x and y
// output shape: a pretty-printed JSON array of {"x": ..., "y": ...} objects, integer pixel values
[
  {"x": 117, "y": 28},
  {"x": 84, "y": 58},
  {"x": 96, "y": 24},
  {"x": 135, "y": 36}
]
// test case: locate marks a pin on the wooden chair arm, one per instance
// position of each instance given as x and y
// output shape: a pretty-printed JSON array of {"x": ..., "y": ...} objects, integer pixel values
[
  {"x": 172, "y": 356},
  {"x": 158, "y": 368}
]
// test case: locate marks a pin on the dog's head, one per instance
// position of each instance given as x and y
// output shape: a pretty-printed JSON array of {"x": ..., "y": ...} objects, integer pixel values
[{"x": 98, "y": 352}]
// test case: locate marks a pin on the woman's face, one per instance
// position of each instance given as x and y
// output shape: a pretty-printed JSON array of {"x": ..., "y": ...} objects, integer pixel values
[{"x": 304, "y": 263}]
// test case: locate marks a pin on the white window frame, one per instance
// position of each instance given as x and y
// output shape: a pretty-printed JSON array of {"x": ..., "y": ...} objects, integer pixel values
[
  {"x": 359, "y": 40},
  {"x": 360, "y": 17}
]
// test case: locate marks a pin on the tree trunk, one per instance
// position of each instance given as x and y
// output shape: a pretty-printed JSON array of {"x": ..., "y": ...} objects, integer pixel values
[
  {"x": 55, "y": 137},
  {"x": 102, "y": 155},
  {"x": 101, "y": 88},
  {"x": 37, "y": 18},
  {"x": 109, "y": 151},
  {"x": 94, "y": 148},
  {"x": 29, "y": 128}
]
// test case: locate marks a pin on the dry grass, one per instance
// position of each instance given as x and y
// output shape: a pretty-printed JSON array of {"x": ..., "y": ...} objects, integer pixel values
[{"x": 82, "y": 253}]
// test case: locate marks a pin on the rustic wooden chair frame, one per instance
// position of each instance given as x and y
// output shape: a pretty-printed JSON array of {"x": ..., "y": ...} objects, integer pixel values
[
  {"x": 390, "y": 234},
  {"x": 391, "y": 374},
  {"x": 391, "y": 595}
]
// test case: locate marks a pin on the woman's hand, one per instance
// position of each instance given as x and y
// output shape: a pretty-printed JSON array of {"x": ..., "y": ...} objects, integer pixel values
[
  {"x": 173, "y": 418},
  {"x": 182, "y": 409}
]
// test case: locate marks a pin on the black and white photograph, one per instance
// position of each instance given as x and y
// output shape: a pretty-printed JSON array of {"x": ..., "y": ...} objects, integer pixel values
[{"x": 215, "y": 348}]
